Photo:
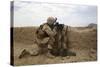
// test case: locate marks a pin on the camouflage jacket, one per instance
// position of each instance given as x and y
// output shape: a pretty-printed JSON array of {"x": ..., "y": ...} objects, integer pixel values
[{"x": 44, "y": 33}]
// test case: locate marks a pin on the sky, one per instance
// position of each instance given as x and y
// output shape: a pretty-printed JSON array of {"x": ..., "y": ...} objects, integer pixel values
[{"x": 28, "y": 13}]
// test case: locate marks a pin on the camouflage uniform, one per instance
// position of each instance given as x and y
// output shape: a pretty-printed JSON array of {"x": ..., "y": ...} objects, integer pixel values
[
  {"x": 65, "y": 37},
  {"x": 45, "y": 35},
  {"x": 60, "y": 43}
]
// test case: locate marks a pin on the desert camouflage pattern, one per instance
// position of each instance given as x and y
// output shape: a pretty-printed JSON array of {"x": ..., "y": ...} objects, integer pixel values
[{"x": 45, "y": 35}]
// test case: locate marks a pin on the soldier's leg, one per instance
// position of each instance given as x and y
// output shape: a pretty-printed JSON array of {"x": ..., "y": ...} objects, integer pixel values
[
  {"x": 50, "y": 48},
  {"x": 54, "y": 49},
  {"x": 43, "y": 48},
  {"x": 23, "y": 54}
]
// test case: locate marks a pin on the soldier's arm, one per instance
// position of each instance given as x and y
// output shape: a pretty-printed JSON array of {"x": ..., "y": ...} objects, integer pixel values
[
  {"x": 48, "y": 30},
  {"x": 43, "y": 41}
]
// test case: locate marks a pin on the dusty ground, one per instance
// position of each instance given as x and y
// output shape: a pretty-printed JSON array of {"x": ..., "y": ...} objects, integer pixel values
[{"x": 82, "y": 41}]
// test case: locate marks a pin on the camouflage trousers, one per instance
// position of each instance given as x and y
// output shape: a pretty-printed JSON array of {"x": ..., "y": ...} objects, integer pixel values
[{"x": 45, "y": 44}]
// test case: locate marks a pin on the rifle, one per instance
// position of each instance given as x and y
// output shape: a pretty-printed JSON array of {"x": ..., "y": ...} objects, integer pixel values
[{"x": 59, "y": 26}]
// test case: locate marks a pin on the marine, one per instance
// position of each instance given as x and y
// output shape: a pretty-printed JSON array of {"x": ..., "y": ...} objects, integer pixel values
[{"x": 45, "y": 36}]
